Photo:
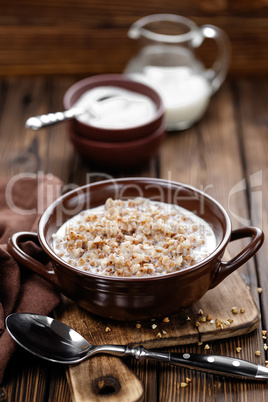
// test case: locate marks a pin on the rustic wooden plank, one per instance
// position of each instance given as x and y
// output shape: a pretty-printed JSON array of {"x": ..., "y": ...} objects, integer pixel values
[
  {"x": 58, "y": 388},
  {"x": 251, "y": 111},
  {"x": 209, "y": 157},
  {"x": 224, "y": 121},
  {"x": 35, "y": 380},
  {"x": 222, "y": 303},
  {"x": 228, "y": 388},
  {"x": 179, "y": 331},
  {"x": 19, "y": 148},
  {"x": 200, "y": 155},
  {"x": 81, "y": 174},
  {"x": 109, "y": 382},
  {"x": 27, "y": 378},
  {"x": 91, "y": 37},
  {"x": 67, "y": 11},
  {"x": 89, "y": 379},
  {"x": 118, "y": 11},
  {"x": 31, "y": 378},
  {"x": 55, "y": 149},
  {"x": 199, "y": 388},
  {"x": 47, "y": 151},
  {"x": 86, "y": 51},
  {"x": 252, "y": 108},
  {"x": 180, "y": 328}
]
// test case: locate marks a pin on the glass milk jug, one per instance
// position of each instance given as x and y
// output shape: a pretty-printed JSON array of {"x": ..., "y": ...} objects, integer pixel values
[{"x": 167, "y": 61}]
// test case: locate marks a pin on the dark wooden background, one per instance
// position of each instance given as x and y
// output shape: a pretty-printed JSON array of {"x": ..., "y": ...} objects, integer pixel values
[
  {"x": 90, "y": 36},
  {"x": 56, "y": 40},
  {"x": 229, "y": 146}
]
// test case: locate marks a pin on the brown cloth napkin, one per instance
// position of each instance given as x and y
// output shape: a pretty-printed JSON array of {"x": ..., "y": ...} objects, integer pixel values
[{"x": 22, "y": 199}]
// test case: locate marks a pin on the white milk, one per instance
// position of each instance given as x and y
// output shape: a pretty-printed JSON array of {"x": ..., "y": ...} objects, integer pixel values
[
  {"x": 178, "y": 220},
  {"x": 114, "y": 107},
  {"x": 185, "y": 93}
]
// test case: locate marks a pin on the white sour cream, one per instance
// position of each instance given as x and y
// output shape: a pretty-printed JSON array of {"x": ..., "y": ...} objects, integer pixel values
[{"x": 115, "y": 108}]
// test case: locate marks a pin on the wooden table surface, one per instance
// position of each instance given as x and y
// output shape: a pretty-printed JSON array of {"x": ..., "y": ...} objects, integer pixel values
[{"x": 225, "y": 154}]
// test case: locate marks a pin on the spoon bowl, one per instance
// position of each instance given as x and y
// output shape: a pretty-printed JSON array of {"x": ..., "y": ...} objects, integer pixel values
[
  {"x": 55, "y": 341},
  {"x": 47, "y": 338}
]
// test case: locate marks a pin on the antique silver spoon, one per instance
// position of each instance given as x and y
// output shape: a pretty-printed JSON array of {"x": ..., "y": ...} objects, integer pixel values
[
  {"x": 44, "y": 120},
  {"x": 49, "y": 119},
  {"x": 52, "y": 340}
]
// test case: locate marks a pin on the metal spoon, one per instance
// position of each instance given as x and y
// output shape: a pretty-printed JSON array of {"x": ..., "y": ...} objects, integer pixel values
[
  {"x": 44, "y": 120},
  {"x": 52, "y": 340}
]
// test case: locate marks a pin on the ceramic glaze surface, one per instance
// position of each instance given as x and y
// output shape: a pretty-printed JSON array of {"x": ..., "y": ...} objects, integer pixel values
[{"x": 126, "y": 298}]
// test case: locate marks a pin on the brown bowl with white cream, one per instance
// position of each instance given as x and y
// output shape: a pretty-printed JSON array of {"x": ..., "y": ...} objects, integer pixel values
[
  {"x": 135, "y": 248},
  {"x": 116, "y": 108}
]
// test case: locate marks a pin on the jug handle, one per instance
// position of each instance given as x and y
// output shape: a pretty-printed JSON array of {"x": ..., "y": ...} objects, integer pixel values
[{"x": 217, "y": 73}]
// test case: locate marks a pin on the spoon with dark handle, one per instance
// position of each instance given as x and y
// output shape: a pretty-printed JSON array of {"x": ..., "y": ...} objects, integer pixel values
[{"x": 53, "y": 340}]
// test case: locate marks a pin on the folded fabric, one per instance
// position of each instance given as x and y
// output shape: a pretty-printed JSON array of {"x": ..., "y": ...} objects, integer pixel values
[{"x": 22, "y": 199}]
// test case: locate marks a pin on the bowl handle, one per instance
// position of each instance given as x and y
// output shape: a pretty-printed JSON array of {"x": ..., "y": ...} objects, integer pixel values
[
  {"x": 226, "y": 268},
  {"x": 13, "y": 247}
]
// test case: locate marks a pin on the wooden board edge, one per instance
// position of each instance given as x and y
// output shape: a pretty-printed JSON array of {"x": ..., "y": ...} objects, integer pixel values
[
  {"x": 224, "y": 334},
  {"x": 102, "y": 379}
]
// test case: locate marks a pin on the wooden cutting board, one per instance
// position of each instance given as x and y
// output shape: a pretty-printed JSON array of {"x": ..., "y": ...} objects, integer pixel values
[{"x": 95, "y": 377}]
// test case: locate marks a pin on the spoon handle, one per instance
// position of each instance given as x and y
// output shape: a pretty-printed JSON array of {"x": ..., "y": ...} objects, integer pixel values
[
  {"x": 44, "y": 120},
  {"x": 226, "y": 366}
]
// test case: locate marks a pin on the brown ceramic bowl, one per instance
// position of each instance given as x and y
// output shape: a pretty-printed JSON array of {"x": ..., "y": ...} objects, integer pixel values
[
  {"x": 119, "y": 154},
  {"x": 144, "y": 297},
  {"x": 113, "y": 135}
]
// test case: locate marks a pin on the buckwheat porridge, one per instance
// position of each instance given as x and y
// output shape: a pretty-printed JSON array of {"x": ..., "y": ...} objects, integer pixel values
[{"x": 134, "y": 238}]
